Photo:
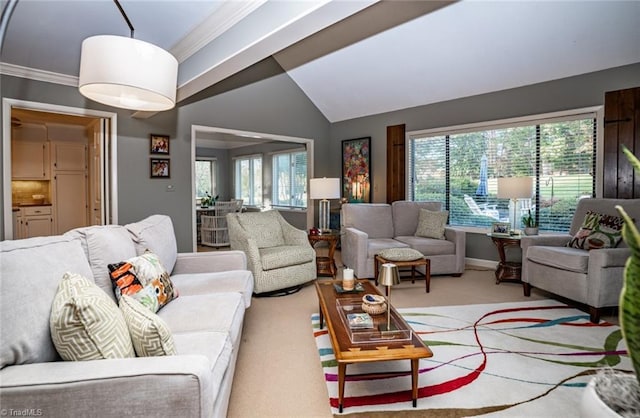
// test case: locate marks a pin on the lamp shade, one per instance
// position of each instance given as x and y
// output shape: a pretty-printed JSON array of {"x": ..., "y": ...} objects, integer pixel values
[
  {"x": 324, "y": 188},
  {"x": 389, "y": 275},
  {"x": 127, "y": 73},
  {"x": 515, "y": 187}
]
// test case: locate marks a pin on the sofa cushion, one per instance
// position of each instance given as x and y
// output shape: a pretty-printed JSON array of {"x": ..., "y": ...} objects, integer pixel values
[
  {"x": 156, "y": 234},
  {"x": 431, "y": 224},
  {"x": 566, "y": 258},
  {"x": 285, "y": 255},
  {"x": 31, "y": 270},
  {"x": 229, "y": 281},
  {"x": 86, "y": 324},
  {"x": 150, "y": 335},
  {"x": 103, "y": 245},
  {"x": 598, "y": 231},
  {"x": 145, "y": 278},
  {"x": 219, "y": 312},
  {"x": 372, "y": 218},
  {"x": 264, "y": 228},
  {"x": 406, "y": 212},
  {"x": 374, "y": 246},
  {"x": 400, "y": 254},
  {"x": 429, "y": 246}
]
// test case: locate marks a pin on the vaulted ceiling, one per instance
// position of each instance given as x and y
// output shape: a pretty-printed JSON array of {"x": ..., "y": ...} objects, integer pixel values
[{"x": 352, "y": 58}]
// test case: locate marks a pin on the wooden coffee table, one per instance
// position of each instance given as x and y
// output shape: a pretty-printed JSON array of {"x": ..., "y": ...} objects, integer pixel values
[{"x": 368, "y": 345}]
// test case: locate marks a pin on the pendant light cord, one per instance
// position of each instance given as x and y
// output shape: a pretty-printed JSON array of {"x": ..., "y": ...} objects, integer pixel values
[{"x": 126, "y": 18}]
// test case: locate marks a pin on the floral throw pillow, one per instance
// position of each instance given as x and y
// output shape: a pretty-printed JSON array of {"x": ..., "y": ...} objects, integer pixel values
[
  {"x": 145, "y": 279},
  {"x": 598, "y": 231}
]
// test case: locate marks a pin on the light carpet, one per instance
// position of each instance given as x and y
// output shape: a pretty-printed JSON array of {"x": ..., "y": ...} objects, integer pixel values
[{"x": 519, "y": 359}]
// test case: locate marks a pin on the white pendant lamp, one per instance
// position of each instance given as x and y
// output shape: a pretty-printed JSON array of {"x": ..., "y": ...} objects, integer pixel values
[{"x": 127, "y": 73}]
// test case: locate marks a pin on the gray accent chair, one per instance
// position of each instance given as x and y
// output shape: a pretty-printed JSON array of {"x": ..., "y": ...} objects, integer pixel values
[
  {"x": 368, "y": 228},
  {"x": 278, "y": 254},
  {"x": 593, "y": 278}
]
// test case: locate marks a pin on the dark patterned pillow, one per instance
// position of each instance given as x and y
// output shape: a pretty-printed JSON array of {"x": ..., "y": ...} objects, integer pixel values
[
  {"x": 145, "y": 279},
  {"x": 598, "y": 231}
]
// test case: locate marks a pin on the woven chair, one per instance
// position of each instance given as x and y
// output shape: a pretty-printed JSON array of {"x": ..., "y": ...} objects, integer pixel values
[{"x": 213, "y": 229}]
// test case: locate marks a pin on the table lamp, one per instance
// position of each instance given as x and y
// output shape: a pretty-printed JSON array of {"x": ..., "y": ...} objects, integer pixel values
[
  {"x": 514, "y": 188},
  {"x": 324, "y": 189},
  {"x": 389, "y": 276}
]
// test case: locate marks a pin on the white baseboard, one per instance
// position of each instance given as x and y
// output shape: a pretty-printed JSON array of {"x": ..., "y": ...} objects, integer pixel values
[{"x": 479, "y": 262}]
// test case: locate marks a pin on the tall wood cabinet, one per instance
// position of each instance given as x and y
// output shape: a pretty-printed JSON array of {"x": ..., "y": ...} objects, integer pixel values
[{"x": 70, "y": 185}]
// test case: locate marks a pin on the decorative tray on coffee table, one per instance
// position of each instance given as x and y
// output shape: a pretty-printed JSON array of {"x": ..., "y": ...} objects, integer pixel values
[{"x": 361, "y": 331}]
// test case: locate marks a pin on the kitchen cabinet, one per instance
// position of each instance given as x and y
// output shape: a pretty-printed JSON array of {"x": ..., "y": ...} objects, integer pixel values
[
  {"x": 70, "y": 185},
  {"x": 33, "y": 221},
  {"x": 30, "y": 160},
  {"x": 69, "y": 156}
]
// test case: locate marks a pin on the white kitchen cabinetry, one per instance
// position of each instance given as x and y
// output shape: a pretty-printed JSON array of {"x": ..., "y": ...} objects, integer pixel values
[
  {"x": 70, "y": 186},
  {"x": 30, "y": 159},
  {"x": 34, "y": 221}
]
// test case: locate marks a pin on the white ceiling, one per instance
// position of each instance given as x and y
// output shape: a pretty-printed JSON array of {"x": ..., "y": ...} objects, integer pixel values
[{"x": 352, "y": 58}]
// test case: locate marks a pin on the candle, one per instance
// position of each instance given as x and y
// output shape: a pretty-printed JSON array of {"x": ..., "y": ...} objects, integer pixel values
[{"x": 347, "y": 279}]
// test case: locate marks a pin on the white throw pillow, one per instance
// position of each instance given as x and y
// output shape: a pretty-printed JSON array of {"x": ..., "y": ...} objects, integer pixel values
[{"x": 149, "y": 333}]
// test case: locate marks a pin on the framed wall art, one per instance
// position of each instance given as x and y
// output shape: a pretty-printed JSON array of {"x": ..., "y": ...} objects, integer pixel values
[
  {"x": 356, "y": 170},
  {"x": 159, "y": 144},
  {"x": 160, "y": 168}
]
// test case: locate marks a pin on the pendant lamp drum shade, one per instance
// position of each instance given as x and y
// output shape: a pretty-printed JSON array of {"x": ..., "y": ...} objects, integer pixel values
[{"x": 127, "y": 73}]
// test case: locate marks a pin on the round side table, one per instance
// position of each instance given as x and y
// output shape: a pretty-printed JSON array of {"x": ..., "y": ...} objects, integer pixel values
[
  {"x": 507, "y": 271},
  {"x": 326, "y": 265}
]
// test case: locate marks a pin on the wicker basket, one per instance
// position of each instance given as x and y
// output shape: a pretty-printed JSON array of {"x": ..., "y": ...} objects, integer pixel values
[{"x": 379, "y": 306}]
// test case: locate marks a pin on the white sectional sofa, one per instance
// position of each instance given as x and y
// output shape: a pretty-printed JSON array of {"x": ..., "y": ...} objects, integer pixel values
[{"x": 205, "y": 321}]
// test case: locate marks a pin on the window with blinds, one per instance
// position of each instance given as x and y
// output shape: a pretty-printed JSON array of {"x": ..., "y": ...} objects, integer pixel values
[
  {"x": 205, "y": 177},
  {"x": 460, "y": 168},
  {"x": 248, "y": 179},
  {"x": 290, "y": 179}
]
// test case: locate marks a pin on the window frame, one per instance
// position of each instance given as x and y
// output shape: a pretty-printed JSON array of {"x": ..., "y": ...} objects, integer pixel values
[
  {"x": 595, "y": 112},
  {"x": 237, "y": 187},
  {"x": 214, "y": 176},
  {"x": 275, "y": 183}
]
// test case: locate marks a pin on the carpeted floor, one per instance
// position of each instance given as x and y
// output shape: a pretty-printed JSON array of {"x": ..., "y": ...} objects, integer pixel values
[
  {"x": 524, "y": 359},
  {"x": 278, "y": 373}
]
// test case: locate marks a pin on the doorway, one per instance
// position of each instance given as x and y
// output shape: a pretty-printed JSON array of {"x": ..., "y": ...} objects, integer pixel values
[
  {"x": 77, "y": 183},
  {"x": 230, "y": 139}
]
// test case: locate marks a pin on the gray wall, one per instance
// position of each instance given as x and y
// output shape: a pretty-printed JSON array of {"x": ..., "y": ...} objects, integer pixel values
[
  {"x": 569, "y": 93},
  {"x": 259, "y": 99}
]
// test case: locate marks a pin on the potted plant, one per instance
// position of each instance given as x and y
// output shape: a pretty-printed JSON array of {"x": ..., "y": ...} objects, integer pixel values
[
  {"x": 618, "y": 391},
  {"x": 530, "y": 224},
  {"x": 206, "y": 201}
]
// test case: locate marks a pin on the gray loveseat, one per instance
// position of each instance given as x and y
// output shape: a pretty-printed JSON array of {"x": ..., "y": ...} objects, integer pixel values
[
  {"x": 369, "y": 228},
  {"x": 205, "y": 321}
]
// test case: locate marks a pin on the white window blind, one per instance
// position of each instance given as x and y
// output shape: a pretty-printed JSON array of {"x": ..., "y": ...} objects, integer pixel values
[
  {"x": 248, "y": 179},
  {"x": 290, "y": 179},
  {"x": 460, "y": 168}
]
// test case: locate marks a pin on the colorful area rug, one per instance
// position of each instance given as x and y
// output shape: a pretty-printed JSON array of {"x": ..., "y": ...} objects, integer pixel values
[{"x": 530, "y": 359}]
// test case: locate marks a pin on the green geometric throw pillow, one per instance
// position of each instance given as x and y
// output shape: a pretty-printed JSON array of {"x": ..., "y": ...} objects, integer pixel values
[
  {"x": 149, "y": 333},
  {"x": 86, "y": 324},
  {"x": 598, "y": 231}
]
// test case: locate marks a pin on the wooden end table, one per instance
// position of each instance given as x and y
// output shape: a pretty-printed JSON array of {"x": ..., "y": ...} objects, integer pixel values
[
  {"x": 376, "y": 346},
  {"x": 326, "y": 265},
  {"x": 412, "y": 263},
  {"x": 507, "y": 271}
]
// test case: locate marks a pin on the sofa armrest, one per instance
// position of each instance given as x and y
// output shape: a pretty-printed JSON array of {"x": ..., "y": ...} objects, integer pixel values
[
  {"x": 148, "y": 386},
  {"x": 459, "y": 239},
  {"x": 209, "y": 262},
  {"x": 605, "y": 279},
  {"x": 355, "y": 250},
  {"x": 608, "y": 257}
]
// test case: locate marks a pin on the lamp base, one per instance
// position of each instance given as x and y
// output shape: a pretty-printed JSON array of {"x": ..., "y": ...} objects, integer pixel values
[{"x": 323, "y": 215}]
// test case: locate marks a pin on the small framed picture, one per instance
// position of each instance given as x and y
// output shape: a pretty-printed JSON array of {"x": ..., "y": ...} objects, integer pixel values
[
  {"x": 159, "y": 144},
  {"x": 160, "y": 168},
  {"x": 501, "y": 228}
]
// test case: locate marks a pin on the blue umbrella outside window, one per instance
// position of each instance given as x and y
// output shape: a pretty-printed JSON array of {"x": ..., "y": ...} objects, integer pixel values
[{"x": 482, "y": 189}]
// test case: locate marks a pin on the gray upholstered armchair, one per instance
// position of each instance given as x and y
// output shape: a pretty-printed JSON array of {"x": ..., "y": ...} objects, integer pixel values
[
  {"x": 591, "y": 277},
  {"x": 278, "y": 254}
]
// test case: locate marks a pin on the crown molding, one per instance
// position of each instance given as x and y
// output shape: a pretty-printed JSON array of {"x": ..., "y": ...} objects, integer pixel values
[
  {"x": 38, "y": 75},
  {"x": 225, "y": 17}
]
